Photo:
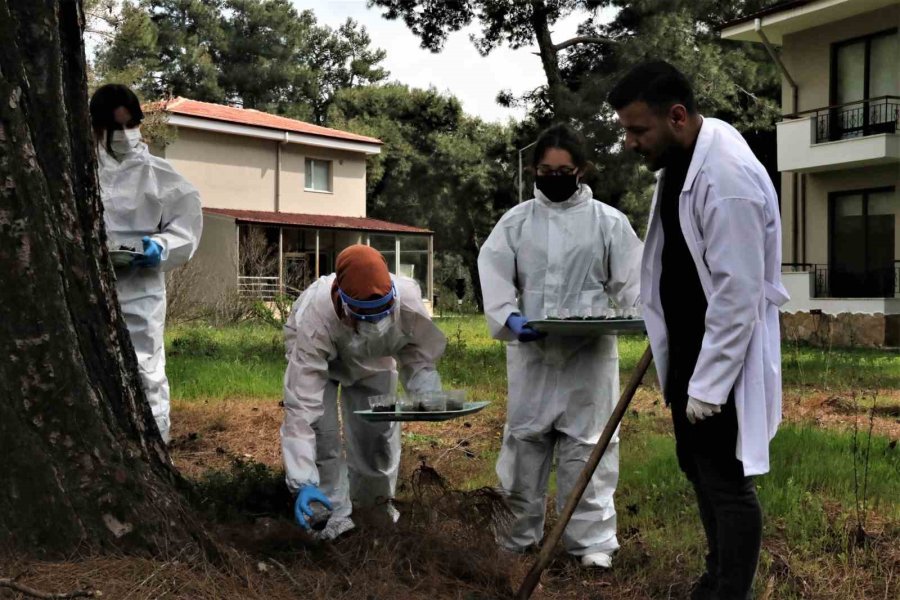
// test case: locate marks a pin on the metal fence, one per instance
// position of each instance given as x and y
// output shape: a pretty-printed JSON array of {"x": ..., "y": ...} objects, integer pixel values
[
  {"x": 858, "y": 119},
  {"x": 258, "y": 288}
]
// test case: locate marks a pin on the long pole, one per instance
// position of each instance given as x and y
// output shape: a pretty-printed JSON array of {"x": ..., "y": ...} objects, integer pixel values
[
  {"x": 521, "y": 182},
  {"x": 549, "y": 547}
]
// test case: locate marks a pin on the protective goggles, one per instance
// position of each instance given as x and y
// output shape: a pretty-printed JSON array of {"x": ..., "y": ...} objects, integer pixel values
[{"x": 351, "y": 303}]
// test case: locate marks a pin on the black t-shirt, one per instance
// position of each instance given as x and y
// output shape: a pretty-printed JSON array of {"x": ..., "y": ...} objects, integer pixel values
[{"x": 683, "y": 301}]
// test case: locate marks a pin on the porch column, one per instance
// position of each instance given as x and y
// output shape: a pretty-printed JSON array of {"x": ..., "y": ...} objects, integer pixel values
[
  {"x": 237, "y": 248},
  {"x": 431, "y": 269},
  {"x": 397, "y": 254},
  {"x": 281, "y": 258},
  {"x": 317, "y": 254}
]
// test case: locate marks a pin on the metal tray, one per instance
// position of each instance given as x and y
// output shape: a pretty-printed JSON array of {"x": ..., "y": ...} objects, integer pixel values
[
  {"x": 444, "y": 415},
  {"x": 123, "y": 258},
  {"x": 589, "y": 327}
]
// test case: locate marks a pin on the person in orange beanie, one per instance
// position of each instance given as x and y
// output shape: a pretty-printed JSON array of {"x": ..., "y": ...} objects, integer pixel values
[{"x": 359, "y": 329}]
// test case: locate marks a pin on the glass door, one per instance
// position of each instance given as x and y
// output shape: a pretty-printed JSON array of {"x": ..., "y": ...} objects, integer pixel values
[
  {"x": 864, "y": 77},
  {"x": 862, "y": 244}
]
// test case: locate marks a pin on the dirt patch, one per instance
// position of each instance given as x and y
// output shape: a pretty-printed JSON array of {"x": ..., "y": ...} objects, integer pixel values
[
  {"x": 843, "y": 411},
  {"x": 209, "y": 436}
]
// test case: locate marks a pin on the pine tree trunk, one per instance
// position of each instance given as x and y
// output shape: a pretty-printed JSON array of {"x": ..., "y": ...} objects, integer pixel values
[
  {"x": 556, "y": 87},
  {"x": 81, "y": 464}
]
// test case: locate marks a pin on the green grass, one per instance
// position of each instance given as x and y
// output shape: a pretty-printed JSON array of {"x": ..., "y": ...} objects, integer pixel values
[
  {"x": 206, "y": 363},
  {"x": 247, "y": 361},
  {"x": 810, "y": 498}
]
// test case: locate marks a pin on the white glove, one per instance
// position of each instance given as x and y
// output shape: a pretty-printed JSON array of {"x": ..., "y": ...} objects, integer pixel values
[{"x": 697, "y": 410}]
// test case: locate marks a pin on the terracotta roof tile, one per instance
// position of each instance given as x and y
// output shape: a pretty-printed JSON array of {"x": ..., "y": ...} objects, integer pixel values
[
  {"x": 317, "y": 221},
  {"x": 255, "y": 118}
]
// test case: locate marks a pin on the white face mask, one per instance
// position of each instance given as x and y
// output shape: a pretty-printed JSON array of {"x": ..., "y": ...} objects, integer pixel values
[
  {"x": 374, "y": 330},
  {"x": 125, "y": 140}
]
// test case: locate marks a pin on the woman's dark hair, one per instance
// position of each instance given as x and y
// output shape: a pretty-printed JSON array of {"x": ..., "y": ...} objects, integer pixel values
[
  {"x": 657, "y": 83},
  {"x": 565, "y": 138},
  {"x": 103, "y": 106}
]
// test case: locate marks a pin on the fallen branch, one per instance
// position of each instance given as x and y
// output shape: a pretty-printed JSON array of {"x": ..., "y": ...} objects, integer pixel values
[
  {"x": 287, "y": 573},
  {"x": 24, "y": 589}
]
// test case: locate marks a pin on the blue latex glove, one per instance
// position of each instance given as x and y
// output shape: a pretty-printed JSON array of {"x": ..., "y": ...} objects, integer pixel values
[
  {"x": 307, "y": 494},
  {"x": 152, "y": 253},
  {"x": 517, "y": 324}
]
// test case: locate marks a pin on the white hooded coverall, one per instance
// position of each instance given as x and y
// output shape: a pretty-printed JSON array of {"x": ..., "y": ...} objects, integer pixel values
[
  {"x": 543, "y": 258},
  {"x": 144, "y": 196},
  {"x": 323, "y": 352}
]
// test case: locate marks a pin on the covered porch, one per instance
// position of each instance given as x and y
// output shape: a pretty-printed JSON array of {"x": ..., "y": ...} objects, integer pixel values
[{"x": 283, "y": 253}]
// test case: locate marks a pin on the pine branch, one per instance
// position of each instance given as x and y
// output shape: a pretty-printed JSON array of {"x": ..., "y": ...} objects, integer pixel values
[{"x": 583, "y": 39}]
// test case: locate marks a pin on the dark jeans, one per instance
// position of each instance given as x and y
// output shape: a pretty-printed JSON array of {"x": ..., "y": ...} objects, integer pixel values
[{"x": 729, "y": 508}]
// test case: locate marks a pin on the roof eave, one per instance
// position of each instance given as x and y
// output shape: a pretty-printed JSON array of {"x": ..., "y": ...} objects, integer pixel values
[
  {"x": 254, "y": 131},
  {"x": 796, "y": 16}
]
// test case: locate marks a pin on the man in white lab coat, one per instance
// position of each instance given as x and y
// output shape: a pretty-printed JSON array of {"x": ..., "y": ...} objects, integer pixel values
[{"x": 711, "y": 288}]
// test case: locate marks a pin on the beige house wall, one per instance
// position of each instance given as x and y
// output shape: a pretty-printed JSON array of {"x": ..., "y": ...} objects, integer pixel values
[
  {"x": 347, "y": 197},
  {"x": 230, "y": 171},
  {"x": 242, "y": 173},
  {"x": 818, "y": 188},
  {"x": 807, "y": 55},
  {"x": 211, "y": 275}
]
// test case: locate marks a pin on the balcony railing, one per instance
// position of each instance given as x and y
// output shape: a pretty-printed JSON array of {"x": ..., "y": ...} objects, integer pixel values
[
  {"x": 855, "y": 119},
  {"x": 820, "y": 276},
  {"x": 258, "y": 288},
  {"x": 832, "y": 283}
]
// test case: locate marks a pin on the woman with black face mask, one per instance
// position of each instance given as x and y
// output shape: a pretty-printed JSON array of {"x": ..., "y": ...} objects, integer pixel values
[{"x": 560, "y": 254}]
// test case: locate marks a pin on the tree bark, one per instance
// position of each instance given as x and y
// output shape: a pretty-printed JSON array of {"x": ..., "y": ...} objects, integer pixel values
[
  {"x": 83, "y": 466},
  {"x": 556, "y": 87}
]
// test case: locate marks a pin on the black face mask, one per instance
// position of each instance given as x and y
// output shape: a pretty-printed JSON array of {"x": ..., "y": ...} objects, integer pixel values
[{"x": 557, "y": 188}]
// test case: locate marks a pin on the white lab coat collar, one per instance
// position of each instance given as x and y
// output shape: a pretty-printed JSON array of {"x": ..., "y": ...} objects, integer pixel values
[
  {"x": 581, "y": 195},
  {"x": 701, "y": 149}
]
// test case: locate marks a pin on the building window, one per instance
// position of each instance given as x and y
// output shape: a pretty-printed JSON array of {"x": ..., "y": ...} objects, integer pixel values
[
  {"x": 318, "y": 175},
  {"x": 865, "y": 85},
  {"x": 862, "y": 244}
]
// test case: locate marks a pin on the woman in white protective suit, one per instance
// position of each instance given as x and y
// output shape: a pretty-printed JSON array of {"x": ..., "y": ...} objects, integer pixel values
[
  {"x": 354, "y": 329},
  {"x": 146, "y": 206},
  {"x": 561, "y": 252}
]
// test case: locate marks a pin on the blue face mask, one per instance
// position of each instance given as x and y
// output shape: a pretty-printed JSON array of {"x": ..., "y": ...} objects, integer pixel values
[{"x": 386, "y": 301}]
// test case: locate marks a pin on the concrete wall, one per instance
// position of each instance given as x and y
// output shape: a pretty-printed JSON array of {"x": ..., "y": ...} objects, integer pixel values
[
  {"x": 238, "y": 172},
  {"x": 807, "y": 54},
  {"x": 842, "y": 330}
]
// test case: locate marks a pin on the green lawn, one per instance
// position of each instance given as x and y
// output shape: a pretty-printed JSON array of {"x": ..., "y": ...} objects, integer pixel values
[{"x": 810, "y": 498}]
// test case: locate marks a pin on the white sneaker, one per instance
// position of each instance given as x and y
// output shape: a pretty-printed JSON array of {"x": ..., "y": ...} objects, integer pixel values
[
  {"x": 335, "y": 528},
  {"x": 597, "y": 559}
]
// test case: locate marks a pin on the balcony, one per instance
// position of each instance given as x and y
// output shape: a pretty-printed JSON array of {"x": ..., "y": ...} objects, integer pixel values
[
  {"x": 834, "y": 283},
  {"x": 815, "y": 288},
  {"x": 858, "y": 134}
]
